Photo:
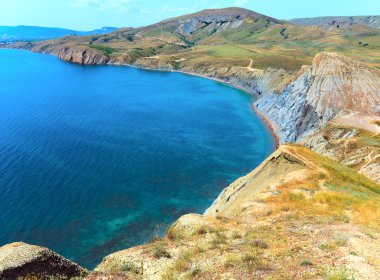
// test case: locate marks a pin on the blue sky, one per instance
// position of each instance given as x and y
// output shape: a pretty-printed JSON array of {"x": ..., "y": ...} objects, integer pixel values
[{"x": 90, "y": 14}]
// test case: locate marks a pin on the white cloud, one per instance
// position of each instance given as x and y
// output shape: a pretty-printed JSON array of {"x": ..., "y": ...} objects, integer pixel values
[{"x": 103, "y": 4}]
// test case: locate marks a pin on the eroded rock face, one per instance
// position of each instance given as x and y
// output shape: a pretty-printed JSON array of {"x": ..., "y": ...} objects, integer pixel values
[
  {"x": 334, "y": 84},
  {"x": 75, "y": 54},
  {"x": 211, "y": 25},
  {"x": 215, "y": 20},
  {"x": 81, "y": 56},
  {"x": 23, "y": 261}
]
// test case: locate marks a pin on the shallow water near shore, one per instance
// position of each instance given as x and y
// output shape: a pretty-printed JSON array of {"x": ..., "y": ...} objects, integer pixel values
[{"x": 95, "y": 159}]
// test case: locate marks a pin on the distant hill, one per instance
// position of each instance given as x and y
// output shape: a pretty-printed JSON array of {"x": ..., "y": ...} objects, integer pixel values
[
  {"x": 371, "y": 21},
  {"x": 36, "y": 33}
]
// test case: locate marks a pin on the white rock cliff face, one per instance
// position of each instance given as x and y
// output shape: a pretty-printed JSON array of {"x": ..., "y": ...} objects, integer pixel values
[{"x": 332, "y": 85}]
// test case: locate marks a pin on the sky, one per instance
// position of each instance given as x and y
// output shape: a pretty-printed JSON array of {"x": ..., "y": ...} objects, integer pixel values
[{"x": 92, "y": 14}]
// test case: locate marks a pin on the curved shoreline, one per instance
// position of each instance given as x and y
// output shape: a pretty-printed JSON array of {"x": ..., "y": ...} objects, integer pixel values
[{"x": 272, "y": 128}]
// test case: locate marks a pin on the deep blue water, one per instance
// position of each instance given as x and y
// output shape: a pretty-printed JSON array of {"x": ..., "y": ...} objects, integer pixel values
[{"x": 95, "y": 159}]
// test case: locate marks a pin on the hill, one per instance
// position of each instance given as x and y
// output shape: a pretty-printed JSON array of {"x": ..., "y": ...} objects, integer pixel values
[
  {"x": 328, "y": 22},
  {"x": 36, "y": 33}
]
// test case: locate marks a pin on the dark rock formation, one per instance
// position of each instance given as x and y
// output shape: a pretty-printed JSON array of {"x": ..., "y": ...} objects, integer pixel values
[{"x": 23, "y": 261}]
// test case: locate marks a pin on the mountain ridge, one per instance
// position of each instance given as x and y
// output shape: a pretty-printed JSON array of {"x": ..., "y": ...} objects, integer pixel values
[
  {"x": 371, "y": 21},
  {"x": 35, "y": 33}
]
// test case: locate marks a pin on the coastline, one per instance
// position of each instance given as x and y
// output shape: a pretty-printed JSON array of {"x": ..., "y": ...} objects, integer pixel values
[{"x": 269, "y": 124}]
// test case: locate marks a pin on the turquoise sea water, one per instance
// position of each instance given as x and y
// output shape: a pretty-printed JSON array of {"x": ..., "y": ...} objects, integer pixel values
[{"x": 95, "y": 159}]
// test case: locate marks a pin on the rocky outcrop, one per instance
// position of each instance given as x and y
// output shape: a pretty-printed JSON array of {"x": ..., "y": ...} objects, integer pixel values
[
  {"x": 23, "y": 261},
  {"x": 282, "y": 165},
  {"x": 81, "y": 56},
  {"x": 75, "y": 54},
  {"x": 353, "y": 140},
  {"x": 334, "y": 84}
]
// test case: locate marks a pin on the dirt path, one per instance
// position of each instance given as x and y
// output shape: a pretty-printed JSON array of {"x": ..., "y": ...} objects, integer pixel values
[{"x": 249, "y": 67}]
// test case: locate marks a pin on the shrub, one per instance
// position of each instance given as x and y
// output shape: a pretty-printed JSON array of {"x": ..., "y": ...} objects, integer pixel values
[
  {"x": 202, "y": 230},
  {"x": 231, "y": 261},
  {"x": 105, "y": 50},
  {"x": 218, "y": 239},
  {"x": 260, "y": 244},
  {"x": 340, "y": 273},
  {"x": 195, "y": 271},
  {"x": 173, "y": 234},
  {"x": 340, "y": 240},
  {"x": 236, "y": 235},
  {"x": 128, "y": 267},
  {"x": 306, "y": 263},
  {"x": 327, "y": 247},
  {"x": 253, "y": 261},
  {"x": 161, "y": 252}
]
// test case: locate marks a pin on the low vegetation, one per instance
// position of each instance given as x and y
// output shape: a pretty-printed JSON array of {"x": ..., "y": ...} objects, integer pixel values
[{"x": 104, "y": 49}]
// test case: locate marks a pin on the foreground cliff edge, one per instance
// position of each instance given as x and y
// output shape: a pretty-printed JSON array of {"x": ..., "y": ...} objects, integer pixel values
[
  {"x": 22, "y": 261},
  {"x": 312, "y": 209}
]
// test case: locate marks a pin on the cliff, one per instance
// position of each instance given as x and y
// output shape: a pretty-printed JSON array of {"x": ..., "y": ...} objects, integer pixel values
[
  {"x": 333, "y": 85},
  {"x": 23, "y": 261}
]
